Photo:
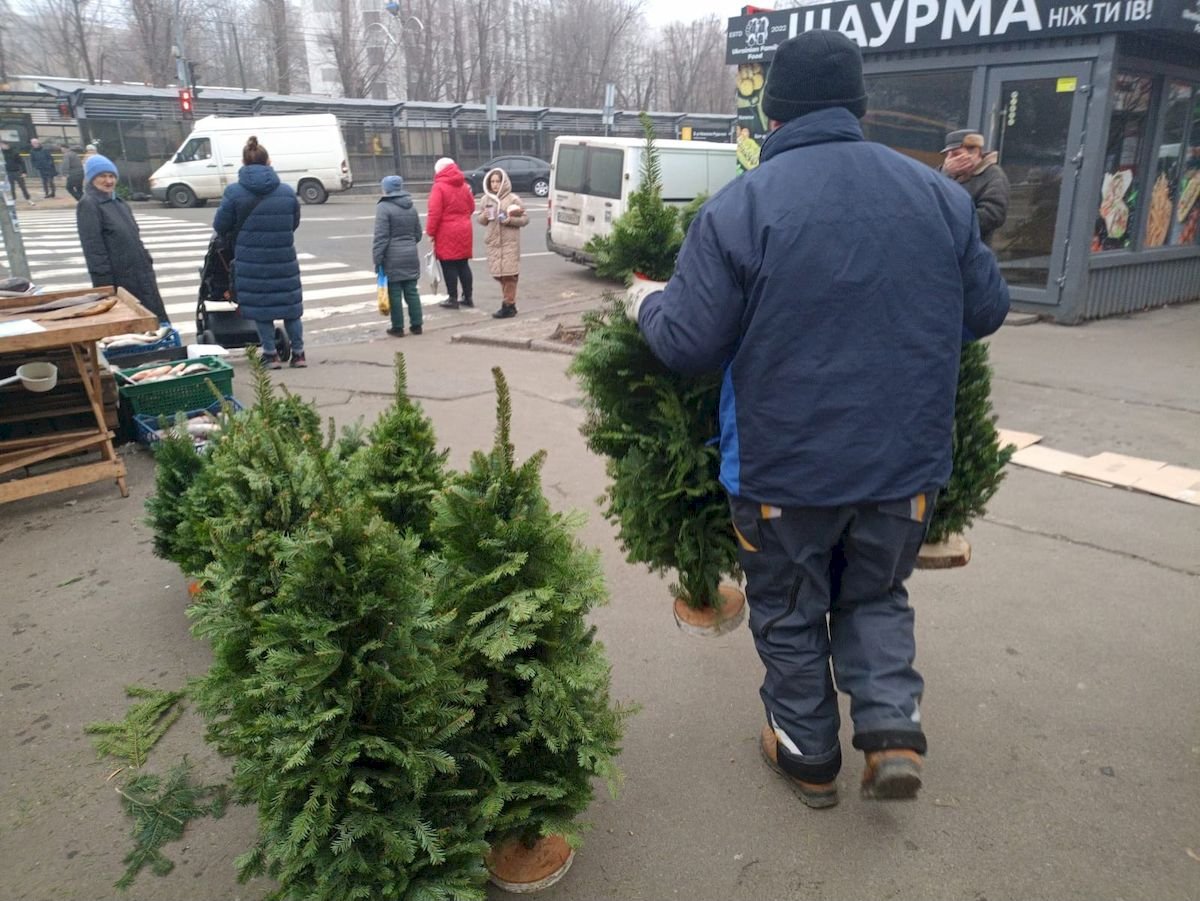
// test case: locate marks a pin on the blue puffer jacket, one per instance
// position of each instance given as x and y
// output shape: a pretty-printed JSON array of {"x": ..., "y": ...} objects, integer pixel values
[
  {"x": 834, "y": 284},
  {"x": 266, "y": 271}
]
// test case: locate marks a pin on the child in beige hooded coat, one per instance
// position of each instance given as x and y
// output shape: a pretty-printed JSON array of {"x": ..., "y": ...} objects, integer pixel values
[{"x": 504, "y": 216}]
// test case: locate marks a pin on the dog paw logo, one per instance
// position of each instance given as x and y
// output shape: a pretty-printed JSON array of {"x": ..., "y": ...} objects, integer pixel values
[{"x": 756, "y": 31}]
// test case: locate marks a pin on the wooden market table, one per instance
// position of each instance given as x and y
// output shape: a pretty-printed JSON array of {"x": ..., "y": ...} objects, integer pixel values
[{"x": 80, "y": 337}]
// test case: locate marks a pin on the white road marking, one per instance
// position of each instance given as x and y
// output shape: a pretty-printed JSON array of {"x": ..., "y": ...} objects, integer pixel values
[{"x": 179, "y": 246}]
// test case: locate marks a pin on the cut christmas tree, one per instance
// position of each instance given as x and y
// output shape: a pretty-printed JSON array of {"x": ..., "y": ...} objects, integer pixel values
[
  {"x": 332, "y": 684},
  {"x": 520, "y": 587},
  {"x": 261, "y": 482},
  {"x": 646, "y": 238},
  {"x": 979, "y": 463},
  {"x": 400, "y": 469},
  {"x": 353, "y": 746},
  {"x": 193, "y": 494},
  {"x": 657, "y": 429}
]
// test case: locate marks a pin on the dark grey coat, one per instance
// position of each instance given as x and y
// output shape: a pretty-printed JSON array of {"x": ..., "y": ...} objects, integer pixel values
[
  {"x": 72, "y": 164},
  {"x": 988, "y": 187},
  {"x": 397, "y": 233},
  {"x": 113, "y": 249},
  {"x": 42, "y": 161},
  {"x": 14, "y": 163}
]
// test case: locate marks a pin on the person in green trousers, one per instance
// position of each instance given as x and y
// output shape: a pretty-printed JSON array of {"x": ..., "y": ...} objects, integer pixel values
[{"x": 394, "y": 250}]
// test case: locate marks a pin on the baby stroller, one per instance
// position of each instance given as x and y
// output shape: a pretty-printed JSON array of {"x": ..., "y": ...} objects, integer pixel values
[{"x": 227, "y": 327}]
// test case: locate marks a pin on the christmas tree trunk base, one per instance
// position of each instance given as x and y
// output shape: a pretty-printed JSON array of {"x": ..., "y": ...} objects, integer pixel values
[
  {"x": 953, "y": 552},
  {"x": 709, "y": 622},
  {"x": 516, "y": 868}
]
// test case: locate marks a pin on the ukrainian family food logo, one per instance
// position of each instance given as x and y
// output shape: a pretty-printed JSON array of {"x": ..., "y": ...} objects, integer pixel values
[
  {"x": 757, "y": 29},
  {"x": 1193, "y": 15}
]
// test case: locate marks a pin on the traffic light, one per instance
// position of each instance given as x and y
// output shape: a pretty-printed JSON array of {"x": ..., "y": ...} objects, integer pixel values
[{"x": 186, "y": 107}]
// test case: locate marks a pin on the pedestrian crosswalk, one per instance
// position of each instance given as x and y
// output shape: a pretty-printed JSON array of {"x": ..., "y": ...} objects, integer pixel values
[{"x": 338, "y": 297}]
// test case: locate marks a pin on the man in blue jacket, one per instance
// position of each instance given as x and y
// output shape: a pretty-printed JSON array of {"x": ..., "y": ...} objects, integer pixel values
[{"x": 834, "y": 285}]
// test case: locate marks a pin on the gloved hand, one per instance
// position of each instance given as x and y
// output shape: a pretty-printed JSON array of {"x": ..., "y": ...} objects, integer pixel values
[{"x": 637, "y": 294}]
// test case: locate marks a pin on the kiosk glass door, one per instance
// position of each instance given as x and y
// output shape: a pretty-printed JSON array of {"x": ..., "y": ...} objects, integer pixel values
[{"x": 1035, "y": 121}]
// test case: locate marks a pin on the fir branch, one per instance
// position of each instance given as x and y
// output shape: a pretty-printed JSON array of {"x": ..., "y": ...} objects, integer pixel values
[
  {"x": 504, "y": 446},
  {"x": 176, "y": 467},
  {"x": 160, "y": 812},
  {"x": 144, "y": 724},
  {"x": 651, "y": 167},
  {"x": 401, "y": 379}
]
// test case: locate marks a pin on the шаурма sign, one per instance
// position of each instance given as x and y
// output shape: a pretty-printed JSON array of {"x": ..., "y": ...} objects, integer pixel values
[{"x": 889, "y": 25}]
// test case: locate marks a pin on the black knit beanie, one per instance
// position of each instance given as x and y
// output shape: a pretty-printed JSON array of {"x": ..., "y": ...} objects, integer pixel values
[{"x": 812, "y": 71}]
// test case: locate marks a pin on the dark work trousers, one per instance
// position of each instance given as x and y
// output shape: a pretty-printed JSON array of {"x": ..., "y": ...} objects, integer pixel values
[
  {"x": 75, "y": 186},
  {"x": 455, "y": 271},
  {"x": 17, "y": 179},
  {"x": 827, "y": 583}
]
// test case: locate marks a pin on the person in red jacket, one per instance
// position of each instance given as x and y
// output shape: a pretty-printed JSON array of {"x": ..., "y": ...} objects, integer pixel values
[{"x": 449, "y": 226}]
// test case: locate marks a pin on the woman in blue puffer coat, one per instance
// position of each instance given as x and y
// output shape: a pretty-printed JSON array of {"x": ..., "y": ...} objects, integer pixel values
[{"x": 259, "y": 215}]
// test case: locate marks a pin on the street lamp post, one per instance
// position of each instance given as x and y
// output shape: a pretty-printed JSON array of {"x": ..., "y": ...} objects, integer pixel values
[{"x": 394, "y": 9}]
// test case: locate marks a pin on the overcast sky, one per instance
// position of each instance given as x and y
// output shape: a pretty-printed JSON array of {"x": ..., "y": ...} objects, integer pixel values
[{"x": 662, "y": 12}]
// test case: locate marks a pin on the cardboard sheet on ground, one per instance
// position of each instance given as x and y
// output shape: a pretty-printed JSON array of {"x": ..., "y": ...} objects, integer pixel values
[
  {"x": 1020, "y": 439},
  {"x": 1114, "y": 469},
  {"x": 1046, "y": 459},
  {"x": 1175, "y": 482}
]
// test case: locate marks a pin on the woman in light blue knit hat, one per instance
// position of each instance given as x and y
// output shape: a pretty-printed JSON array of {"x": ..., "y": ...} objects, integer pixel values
[
  {"x": 394, "y": 250},
  {"x": 112, "y": 244}
]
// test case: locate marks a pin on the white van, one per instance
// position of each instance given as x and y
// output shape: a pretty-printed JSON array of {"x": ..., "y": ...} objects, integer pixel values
[
  {"x": 307, "y": 151},
  {"x": 591, "y": 179}
]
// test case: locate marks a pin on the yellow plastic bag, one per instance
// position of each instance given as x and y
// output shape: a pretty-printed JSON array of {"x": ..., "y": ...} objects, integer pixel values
[{"x": 381, "y": 293}]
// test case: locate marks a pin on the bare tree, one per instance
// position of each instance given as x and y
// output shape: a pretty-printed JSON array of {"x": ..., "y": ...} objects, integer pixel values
[
  {"x": 493, "y": 41},
  {"x": 151, "y": 26},
  {"x": 342, "y": 41},
  {"x": 639, "y": 84},
  {"x": 532, "y": 52},
  {"x": 424, "y": 53},
  {"x": 278, "y": 20},
  {"x": 584, "y": 45},
  {"x": 63, "y": 33},
  {"x": 218, "y": 37},
  {"x": 692, "y": 62},
  {"x": 528, "y": 41},
  {"x": 459, "y": 50}
]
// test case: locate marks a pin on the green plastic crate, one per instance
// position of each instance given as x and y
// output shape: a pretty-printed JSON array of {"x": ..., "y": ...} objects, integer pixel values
[{"x": 187, "y": 392}]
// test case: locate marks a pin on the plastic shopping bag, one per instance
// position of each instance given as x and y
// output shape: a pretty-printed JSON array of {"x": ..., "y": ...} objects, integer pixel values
[
  {"x": 381, "y": 293},
  {"x": 434, "y": 271}
]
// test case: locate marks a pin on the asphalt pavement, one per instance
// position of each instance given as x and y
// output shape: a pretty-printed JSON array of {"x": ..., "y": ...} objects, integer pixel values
[
  {"x": 333, "y": 243},
  {"x": 1061, "y": 664}
]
